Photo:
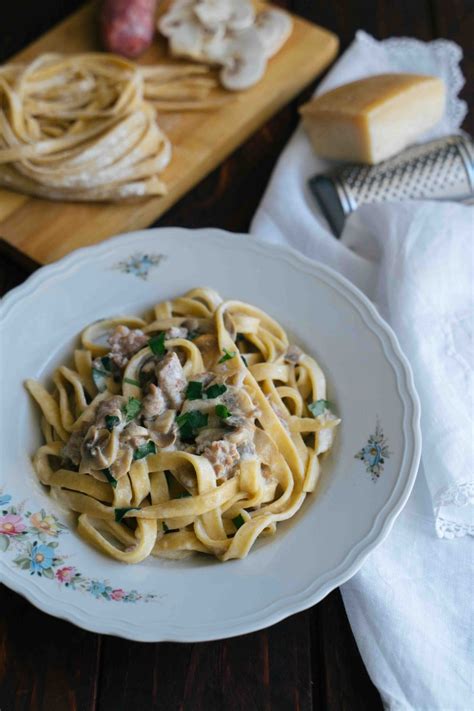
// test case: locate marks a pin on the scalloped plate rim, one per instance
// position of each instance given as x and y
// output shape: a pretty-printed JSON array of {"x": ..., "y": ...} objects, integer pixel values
[{"x": 383, "y": 520}]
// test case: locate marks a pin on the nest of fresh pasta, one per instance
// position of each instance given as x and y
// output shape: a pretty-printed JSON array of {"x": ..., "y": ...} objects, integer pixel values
[
  {"x": 195, "y": 430},
  {"x": 84, "y": 127}
]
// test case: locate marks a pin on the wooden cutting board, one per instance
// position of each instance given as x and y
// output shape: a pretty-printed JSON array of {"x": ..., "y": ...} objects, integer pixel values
[{"x": 46, "y": 230}]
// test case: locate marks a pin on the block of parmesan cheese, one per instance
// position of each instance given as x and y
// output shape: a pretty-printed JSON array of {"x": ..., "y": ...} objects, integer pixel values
[{"x": 372, "y": 119}]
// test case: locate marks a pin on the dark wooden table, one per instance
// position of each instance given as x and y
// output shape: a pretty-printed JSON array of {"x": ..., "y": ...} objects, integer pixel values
[{"x": 309, "y": 661}]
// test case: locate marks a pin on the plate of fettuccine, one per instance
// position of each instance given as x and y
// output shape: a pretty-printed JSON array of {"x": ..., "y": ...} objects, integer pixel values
[{"x": 215, "y": 430}]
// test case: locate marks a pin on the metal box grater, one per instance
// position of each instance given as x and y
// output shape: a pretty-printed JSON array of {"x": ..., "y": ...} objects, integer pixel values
[{"x": 438, "y": 170}]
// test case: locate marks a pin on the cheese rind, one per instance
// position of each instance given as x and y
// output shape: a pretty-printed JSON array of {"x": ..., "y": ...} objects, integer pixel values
[{"x": 372, "y": 119}]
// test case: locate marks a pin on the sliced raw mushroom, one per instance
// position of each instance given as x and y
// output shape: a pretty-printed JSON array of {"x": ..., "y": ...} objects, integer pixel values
[
  {"x": 231, "y": 14},
  {"x": 242, "y": 15},
  {"x": 187, "y": 40},
  {"x": 273, "y": 28},
  {"x": 180, "y": 12},
  {"x": 212, "y": 13},
  {"x": 216, "y": 45},
  {"x": 245, "y": 61},
  {"x": 226, "y": 32}
]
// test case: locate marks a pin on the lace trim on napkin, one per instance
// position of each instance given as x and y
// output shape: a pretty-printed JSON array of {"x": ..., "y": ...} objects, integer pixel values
[
  {"x": 440, "y": 56},
  {"x": 457, "y": 495}
]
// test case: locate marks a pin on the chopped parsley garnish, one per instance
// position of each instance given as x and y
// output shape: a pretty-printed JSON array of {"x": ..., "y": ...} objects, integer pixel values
[
  {"x": 238, "y": 521},
  {"x": 222, "y": 412},
  {"x": 157, "y": 344},
  {"x": 144, "y": 450},
  {"x": 194, "y": 390},
  {"x": 215, "y": 391},
  {"x": 192, "y": 335},
  {"x": 194, "y": 417},
  {"x": 190, "y": 422},
  {"x": 131, "y": 381},
  {"x": 132, "y": 408},
  {"x": 105, "y": 360},
  {"x": 228, "y": 355},
  {"x": 120, "y": 513},
  {"x": 111, "y": 421},
  {"x": 317, "y": 408},
  {"x": 244, "y": 359},
  {"x": 110, "y": 478}
]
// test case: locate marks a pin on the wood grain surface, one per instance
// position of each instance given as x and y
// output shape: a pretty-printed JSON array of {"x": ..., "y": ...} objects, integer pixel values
[
  {"x": 309, "y": 661},
  {"x": 46, "y": 230}
]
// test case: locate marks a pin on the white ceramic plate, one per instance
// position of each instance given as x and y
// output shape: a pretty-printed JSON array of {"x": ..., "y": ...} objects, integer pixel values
[{"x": 366, "y": 480}]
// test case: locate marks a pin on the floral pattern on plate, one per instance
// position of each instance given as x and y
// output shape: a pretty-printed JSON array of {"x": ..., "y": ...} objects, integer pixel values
[
  {"x": 375, "y": 452},
  {"x": 139, "y": 264},
  {"x": 32, "y": 538}
]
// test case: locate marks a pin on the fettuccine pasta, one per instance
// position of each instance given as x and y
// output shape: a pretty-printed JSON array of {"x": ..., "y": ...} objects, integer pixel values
[
  {"x": 195, "y": 430},
  {"x": 84, "y": 126}
]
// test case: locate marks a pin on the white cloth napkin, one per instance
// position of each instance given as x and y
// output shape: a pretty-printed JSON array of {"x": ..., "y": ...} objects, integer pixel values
[{"x": 410, "y": 606}]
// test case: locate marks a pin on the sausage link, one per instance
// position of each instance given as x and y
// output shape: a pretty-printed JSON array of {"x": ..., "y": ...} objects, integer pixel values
[{"x": 128, "y": 26}]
